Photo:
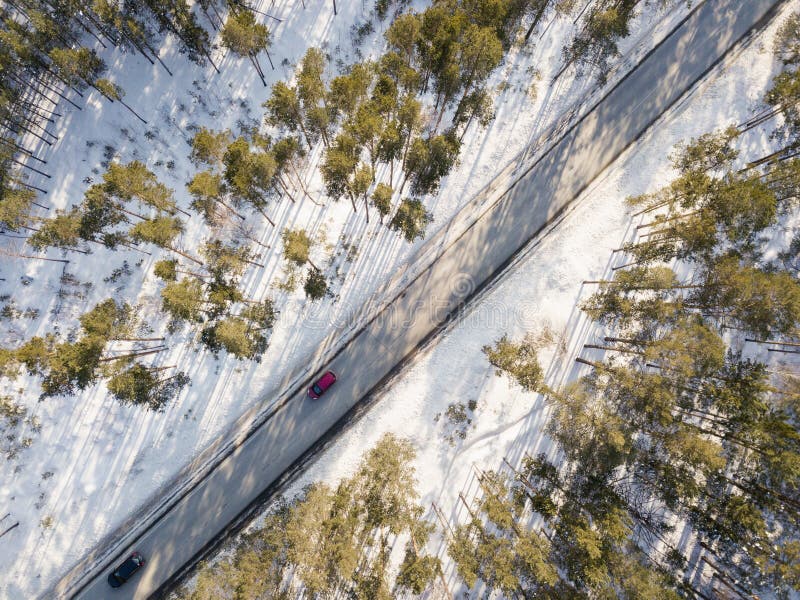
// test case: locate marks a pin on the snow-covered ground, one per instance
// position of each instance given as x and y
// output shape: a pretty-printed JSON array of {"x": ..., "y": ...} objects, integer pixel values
[
  {"x": 538, "y": 295},
  {"x": 94, "y": 462}
]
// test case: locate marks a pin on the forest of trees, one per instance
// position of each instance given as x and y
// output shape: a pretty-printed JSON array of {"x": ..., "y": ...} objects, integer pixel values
[
  {"x": 676, "y": 455},
  {"x": 49, "y": 51},
  {"x": 390, "y": 129},
  {"x": 676, "y": 463},
  {"x": 333, "y": 540}
]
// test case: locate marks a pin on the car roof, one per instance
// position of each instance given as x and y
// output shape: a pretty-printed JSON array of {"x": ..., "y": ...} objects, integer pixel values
[{"x": 127, "y": 568}]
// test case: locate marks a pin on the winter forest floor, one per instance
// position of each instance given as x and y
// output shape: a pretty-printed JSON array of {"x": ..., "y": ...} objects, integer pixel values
[
  {"x": 94, "y": 461},
  {"x": 449, "y": 403}
]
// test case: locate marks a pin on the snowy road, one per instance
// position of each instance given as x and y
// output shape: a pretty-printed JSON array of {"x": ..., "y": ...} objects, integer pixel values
[{"x": 467, "y": 263}]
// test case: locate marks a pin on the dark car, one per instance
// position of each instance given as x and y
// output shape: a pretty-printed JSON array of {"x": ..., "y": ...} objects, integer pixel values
[
  {"x": 126, "y": 570},
  {"x": 322, "y": 384}
]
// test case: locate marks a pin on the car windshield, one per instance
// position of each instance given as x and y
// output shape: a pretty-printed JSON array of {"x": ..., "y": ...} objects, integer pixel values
[{"x": 317, "y": 389}]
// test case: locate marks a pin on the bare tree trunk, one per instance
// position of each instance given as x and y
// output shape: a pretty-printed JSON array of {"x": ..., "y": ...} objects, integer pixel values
[
  {"x": 186, "y": 256},
  {"x": 536, "y": 20},
  {"x": 257, "y": 67},
  {"x": 651, "y": 223},
  {"x": 302, "y": 184},
  {"x": 133, "y": 111},
  {"x": 9, "y": 529},
  {"x": 11, "y": 144},
  {"x": 285, "y": 189},
  {"x": 651, "y": 208},
  {"x": 783, "y": 351},
  {"x": 26, "y": 166},
  {"x": 626, "y": 341},
  {"x": 230, "y": 208},
  {"x": 134, "y": 354},
  {"x": 772, "y": 342},
  {"x": 445, "y": 524},
  {"x": 15, "y": 255},
  {"x": 611, "y": 348},
  {"x": 33, "y": 133},
  {"x": 130, "y": 247},
  {"x": 265, "y": 215}
]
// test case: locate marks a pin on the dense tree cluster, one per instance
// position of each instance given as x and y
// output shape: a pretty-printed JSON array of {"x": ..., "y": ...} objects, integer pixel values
[
  {"x": 48, "y": 52},
  {"x": 67, "y": 366},
  {"x": 334, "y": 540},
  {"x": 675, "y": 453},
  {"x": 386, "y": 125},
  {"x": 378, "y": 132},
  {"x": 128, "y": 208}
]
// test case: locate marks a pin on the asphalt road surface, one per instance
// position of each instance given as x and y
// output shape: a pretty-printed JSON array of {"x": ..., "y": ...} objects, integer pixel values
[{"x": 663, "y": 76}]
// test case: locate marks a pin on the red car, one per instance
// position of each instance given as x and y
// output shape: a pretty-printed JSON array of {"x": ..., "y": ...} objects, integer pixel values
[{"x": 322, "y": 384}]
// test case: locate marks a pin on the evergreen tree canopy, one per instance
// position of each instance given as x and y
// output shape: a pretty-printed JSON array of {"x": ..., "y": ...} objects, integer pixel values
[
  {"x": 243, "y": 36},
  {"x": 411, "y": 219}
]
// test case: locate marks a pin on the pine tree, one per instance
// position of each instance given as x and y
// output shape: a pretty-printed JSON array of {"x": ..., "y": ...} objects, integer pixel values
[
  {"x": 284, "y": 110},
  {"x": 765, "y": 303},
  {"x": 71, "y": 366},
  {"x": 430, "y": 159},
  {"x": 209, "y": 147},
  {"x": 78, "y": 67},
  {"x": 236, "y": 336},
  {"x": 134, "y": 181},
  {"x": 140, "y": 386},
  {"x": 339, "y": 166},
  {"x": 206, "y": 189},
  {"x": 64, "y": 230},
  {"x": 480, "y": 53},
  {"x": 296, "y": 247},
  {"x": 411, "y": 219},
  {"x": 418, "y": 571},
  {"x": 250, "y": 175},
  {"x": 261, "y": 315},
  {"x": 382, "y": 199},
  {"x": 166, "y": 270},
  {"x": 226, "y": 260},
  {"x": 15, "y": 207},
  {"x": 311, "y": 90},
  {"x": 243, "y": 36},
  {"x": 34, "y": 354},
  {"x": 183, "y": 299},
  {"x": 315, "y": 286},
  {"x": 519, "y": 360},
  {"x": 606, "y": 22},
  {"x": 108, "y": 320},
  {"x": 160, "y": 231}
]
